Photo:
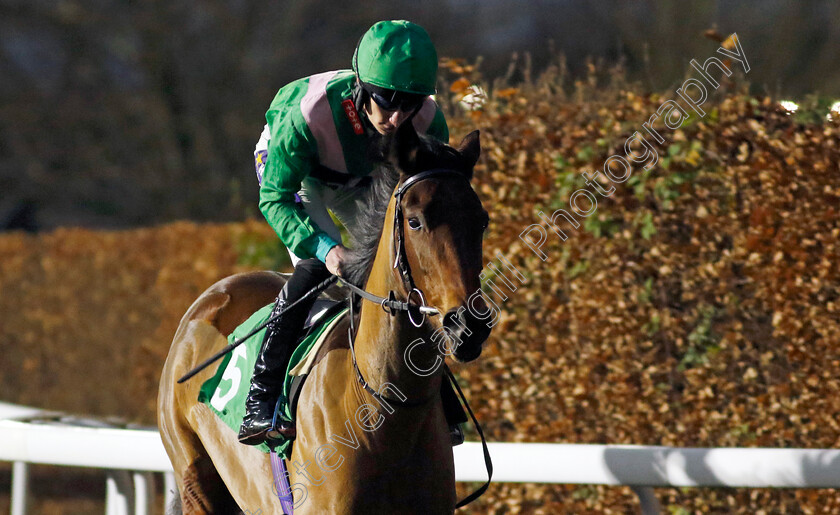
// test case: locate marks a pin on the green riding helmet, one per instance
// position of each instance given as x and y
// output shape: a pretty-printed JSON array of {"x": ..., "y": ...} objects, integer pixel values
[{"x": 397, "y": 55}]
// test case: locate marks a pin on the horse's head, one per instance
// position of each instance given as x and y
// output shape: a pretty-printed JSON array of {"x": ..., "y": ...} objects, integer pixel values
[{"x": 440, "y": 221}]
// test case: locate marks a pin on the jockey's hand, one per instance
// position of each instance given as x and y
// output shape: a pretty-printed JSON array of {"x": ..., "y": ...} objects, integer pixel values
[{"x": 335, "y": 257}]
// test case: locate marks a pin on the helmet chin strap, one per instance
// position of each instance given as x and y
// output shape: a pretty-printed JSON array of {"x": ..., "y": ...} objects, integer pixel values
[
  {"x": 416, "y": 110},
  {"x": 360, "y": 96},
  {"x": 360, "y": 99}
]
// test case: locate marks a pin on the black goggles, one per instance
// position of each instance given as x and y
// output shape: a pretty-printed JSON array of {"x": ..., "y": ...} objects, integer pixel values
[{"x": 391, "y": 100}]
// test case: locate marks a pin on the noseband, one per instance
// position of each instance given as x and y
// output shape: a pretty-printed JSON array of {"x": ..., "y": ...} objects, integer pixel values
[
  {"x": 416, "y": 311},
  {"x": 390, "y": 304},
  {"x": 401, "y": 258}
]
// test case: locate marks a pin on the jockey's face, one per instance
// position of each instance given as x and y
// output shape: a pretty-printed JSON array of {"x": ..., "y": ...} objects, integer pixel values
[{"x": 385, "y": 122}]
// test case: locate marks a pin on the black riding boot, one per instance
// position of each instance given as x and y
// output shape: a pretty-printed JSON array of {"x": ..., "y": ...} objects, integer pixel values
[
  {"x": 267, "y": 382},
  {"x": 277, "y": 347}
]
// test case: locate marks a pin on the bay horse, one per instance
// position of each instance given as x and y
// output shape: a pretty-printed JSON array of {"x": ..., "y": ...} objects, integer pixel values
[{"x": 356, "y": 451}]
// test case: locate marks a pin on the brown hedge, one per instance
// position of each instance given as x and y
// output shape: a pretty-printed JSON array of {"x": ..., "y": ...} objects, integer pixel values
[
  {"x": 87, "y": 316},
  {"x": 698, "y": 306}
]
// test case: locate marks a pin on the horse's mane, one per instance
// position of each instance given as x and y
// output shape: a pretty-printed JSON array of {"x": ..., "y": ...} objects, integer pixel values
[
  {"x": 425, "y": 153},
  {"x": 368, "y": 226}
]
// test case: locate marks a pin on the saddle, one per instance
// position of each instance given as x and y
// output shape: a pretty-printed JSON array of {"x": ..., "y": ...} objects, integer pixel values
[
  {"x": 225, "y": 392},
  {"x": 323, "y": 310}
]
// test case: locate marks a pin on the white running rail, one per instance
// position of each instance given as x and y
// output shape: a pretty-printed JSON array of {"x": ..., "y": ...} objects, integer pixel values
[{"x": 132, "y": 455}]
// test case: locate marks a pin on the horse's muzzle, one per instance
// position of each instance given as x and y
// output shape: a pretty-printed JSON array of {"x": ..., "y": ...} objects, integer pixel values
[{"x": 468, "y": 333}]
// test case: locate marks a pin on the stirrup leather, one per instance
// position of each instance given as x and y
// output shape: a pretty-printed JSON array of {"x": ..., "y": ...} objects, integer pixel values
[{"x": 276, "y": 431}]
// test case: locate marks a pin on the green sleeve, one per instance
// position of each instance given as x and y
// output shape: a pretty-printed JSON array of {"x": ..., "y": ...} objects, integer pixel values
[
  {"x": 291, "y": 154},
  {"x": 438, "y": 128}
]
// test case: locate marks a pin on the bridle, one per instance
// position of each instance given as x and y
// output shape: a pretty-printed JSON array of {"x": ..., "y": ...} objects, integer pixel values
[
  {"x": 417, "y": 312},
  {"x": 401, "y": 260},
  {"x": 391, "y": 305}
]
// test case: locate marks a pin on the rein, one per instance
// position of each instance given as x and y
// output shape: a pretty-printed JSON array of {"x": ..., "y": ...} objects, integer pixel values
[
  {"x": 391, "y": 305},
  {"x": 209, "y": 361},
  {"x": 417, "y": 313}
]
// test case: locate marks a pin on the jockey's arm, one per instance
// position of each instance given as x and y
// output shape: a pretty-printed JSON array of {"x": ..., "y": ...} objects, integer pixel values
[{"x": 291, "y": 156}]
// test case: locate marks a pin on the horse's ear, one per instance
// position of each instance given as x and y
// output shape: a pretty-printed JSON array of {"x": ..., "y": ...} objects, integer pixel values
[
  {"x": 405, "y": 147},
  {"x": 470, "y": 149}
]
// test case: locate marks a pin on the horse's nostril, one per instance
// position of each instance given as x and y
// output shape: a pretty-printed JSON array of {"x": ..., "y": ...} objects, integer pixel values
[
  {"x": 455, "y": 321},
  {"x": 449, "y": 318}
]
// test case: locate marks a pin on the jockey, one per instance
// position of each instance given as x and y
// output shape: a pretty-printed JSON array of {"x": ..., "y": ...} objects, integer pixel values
[{"x": 312, "y": 156}]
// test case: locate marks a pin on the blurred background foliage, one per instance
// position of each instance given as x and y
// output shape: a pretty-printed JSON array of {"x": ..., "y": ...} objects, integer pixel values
[
  {"x": 118, "y": 114},
  {"x": 696, "y": 307}
]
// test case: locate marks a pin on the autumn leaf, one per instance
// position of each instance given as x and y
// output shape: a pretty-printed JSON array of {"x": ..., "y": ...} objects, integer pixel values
[
  {"x": 507, "y": 92},
  {"x": 460, "y": 86}
]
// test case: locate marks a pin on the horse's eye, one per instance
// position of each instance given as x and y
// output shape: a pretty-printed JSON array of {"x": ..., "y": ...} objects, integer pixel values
[{"x": 414, "y": 223}]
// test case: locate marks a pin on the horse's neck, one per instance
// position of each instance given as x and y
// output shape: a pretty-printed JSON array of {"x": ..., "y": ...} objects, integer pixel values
[{"x": 382, "y": 339}]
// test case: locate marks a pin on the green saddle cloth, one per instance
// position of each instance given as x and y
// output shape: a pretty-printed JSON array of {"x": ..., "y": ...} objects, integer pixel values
[{"x": 226, "y": 391}]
